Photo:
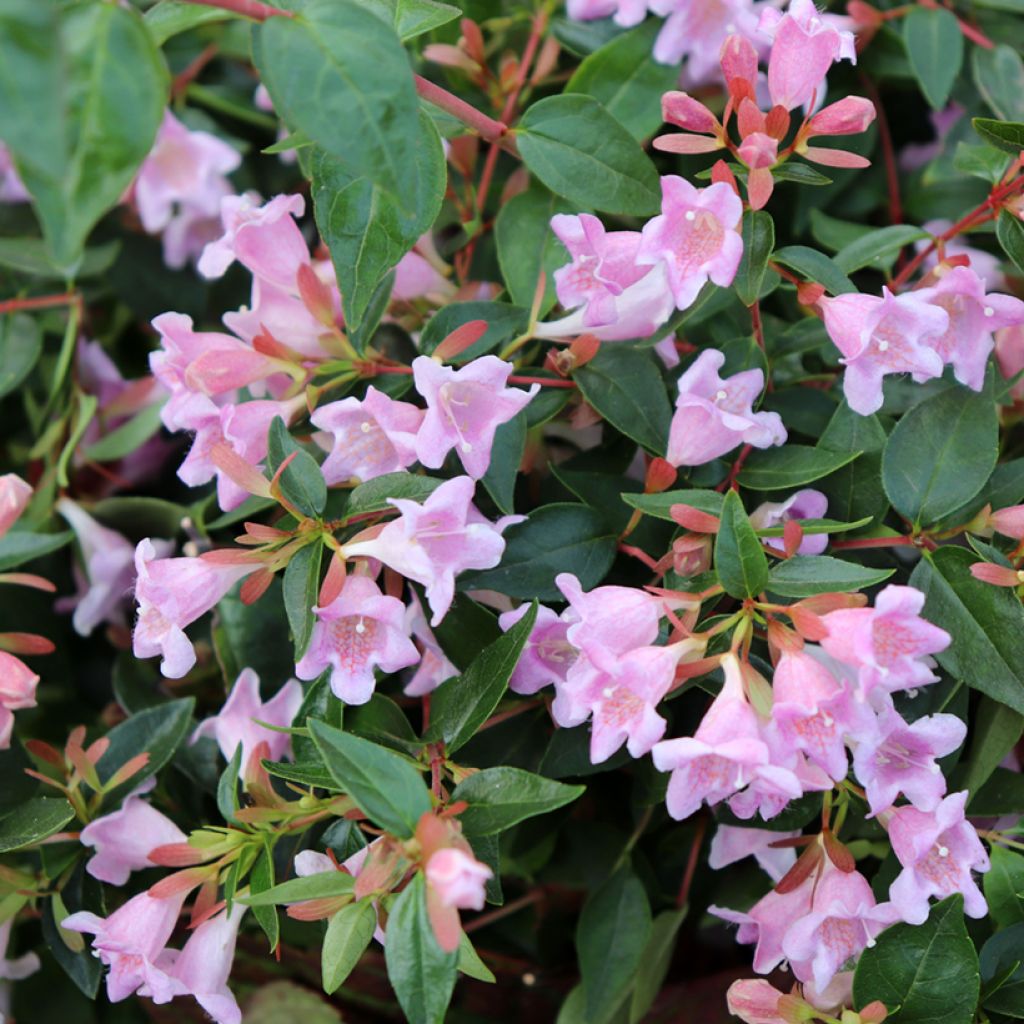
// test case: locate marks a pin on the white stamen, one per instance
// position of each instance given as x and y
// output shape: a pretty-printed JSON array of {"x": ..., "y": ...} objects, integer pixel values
[
  {"x": 466, "y": 447},
  {"x": 690, "y": 215},
  {"x": 608, "y": 692},
  {"x": 943, "y": 851},
  {"x": 934, "y": 768},
  {"x": 871, "y": 943},
  {"x": 883, "y": 346},
  {"x": 365, "y": 426},
  {"x": 360, "y": 628},
  {"x": 989, "y": 311},
  {"x": 721, "y": 396}
]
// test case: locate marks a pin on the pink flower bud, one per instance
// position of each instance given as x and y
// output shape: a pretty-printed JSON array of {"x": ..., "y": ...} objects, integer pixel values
[
  {"x": 14, "y": 496},
  {"x": 1009, "y": 521},
  {"x": 997, "y": 575},
  {"x": 849, "y": 116},
  {"x": 739, "y": 62},
  {"x": 759, "y": 150},
  {"x": 682, "y": 110}
]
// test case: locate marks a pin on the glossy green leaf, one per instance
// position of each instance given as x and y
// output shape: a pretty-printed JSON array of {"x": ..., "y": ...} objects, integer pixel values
[
  {"x": 411, "y": 18},
  {"x": 999, "y": 76},
  {"x": 169, "y": 18},
  {"x": 804, "y": 575},
  {"x": 814, "y": 266},
  {"x": 655, "y": 963},
  {"x": 660, "y": 505},
  {"x": 792, "y": 465},
  {"x": 261, "y": 878},
  {"x": 348, "y": 934},
  {"x": 1005, "y": 135},
  {"x": 321, "y": 885},
  {"x": 20, "y": 546},
  {"x": 1004, "y": 886},
  {"x": 758, "y": 230},
  {"x": 33, "y": 821},
  {"x": 301, "y": 588},
  {"x": 21, "y": 344},
  {"x": 935, "y": 47},
  {"x": 501, "y": 797},
  {"x": 374, "y": 495},
  {"x": 740, "y": 561},
  {"x": 1010, "y": 233},
  {"x": 506, "y": 456},
  {"x": 1002, "y": 970},
  {"x": 877, "y": 249},
  {"x": 301, "y": 483}
]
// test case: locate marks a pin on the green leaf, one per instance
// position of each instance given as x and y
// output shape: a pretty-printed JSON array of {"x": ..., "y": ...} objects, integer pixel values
[
  {"x": 1005, "y": 135},
  {"x": 374, "y": 495},
  {"x": 740, "y": 560},
  {"x": 310, "y": 887},
  {"x": 461, "y": 705},
  {"x": 613, "y": 930},
  {"x": 1010, "y": 233},
  {"x": 999, "y": 76},
  {"x": 1003, "y": 972},
  {"x": 301, "y": 588},
  {"x": 1004, "y": 886},
  {"x": 412, "y": 18},
  {"x": 311, "y": 774},
  {"x": 660, "y": 505},
  {"x": 790, "y": 466},
  {"x": 929, "y": 972},
  {"x": 935, "y": 47},
  {"x": 501, "y": 797},
  {"x": 576, "y": 148},
  {"x": 29, "y": 256},
  {"x": 348, "y": 934},
  {"x": 626, "y": 387},
  {"x": 995, "y": 731},
  {"x": 503, "y": 323},
  {"x": 157, "y": 731},
  {"x": 380, "y": 719},
  {"x": 654, "y": 965},
  {"x": 470, "y": 963},
  {"x": 127, "y": 437},
  {"x": 984, "y": 623},
  {"x": 1002, "y": 794},
  {"x": 260, "y": 880},
  {"x": 172, "y": 17},
  {"x": 19, "y": 546},
  {"x": 877, "y": 249},
  {"x": 420, "y": 972},
  {"x": 801, "y": 173},
  {"x": 81, "y": 100},
  {"x": 941, "y": 454},
  {"x": 301, "y": 483},
  {"x": 528, "y": 247},
  {"x": 815, "y": 266},
  {"x": 33, "y": 821},
  {"x": 554, "y": 539},
  {"x": 506, "y": 456},
  {"x": 386, "y": 786},
  {"x": 21, "y": 344},
  {"x": 227, "y": 787},
  {"x": 465, "y": 631},
  {"x": 758, "y": 232},
  {"x": 855, "y": 490},
  {"x": 624, "y": 76},
  {"x": 804, "y": 575}
]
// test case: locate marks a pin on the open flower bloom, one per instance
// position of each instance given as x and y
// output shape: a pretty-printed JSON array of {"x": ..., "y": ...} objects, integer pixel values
[
  {"x": 888, "y": 644},
  {"x": 238, "y": 722},
  {"x": 434, "y": 667},
  {"x": 464, "y": 409},
  {"x": 359, "y": 630},
  {"x": 433, "y": 542},
  {"x": 372, "y": 436},
  {"x": 713, "y": 415},
  {"x": 696, "y": 236},
  {"x": 879, "y": 336},
  {"x": 130, "y": 942},
  {"x": 938, "y": 850},
  {"x": 458, "y": 879},
  {"x": 14, "y": 497},
  {"x": 17, "y": 691},
  {"x": 731, "y": 844},
  {"x": 124, "y": 839},
  {"x": 900, "y": 758},
  {"x": 172, "y": 593},
  {"x": 973, "y": 317},
  {"x": 547, "y": 655},
  {"x": 805, "y": 504},
  {"x": 697, "y": 31},
  {"x": 614, "y": 619}
]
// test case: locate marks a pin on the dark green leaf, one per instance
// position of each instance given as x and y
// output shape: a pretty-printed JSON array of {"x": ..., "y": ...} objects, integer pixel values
[
  {"x": 412, "y": 18},
  {"x": 21, "y": 343},
  {"x": 994, "y": 733},
  {"x": 501, "y": 797},
  {"x": 804, "y": 575},
  {"x": 261, "y": 880},
  {"x": 654, "y": 964},
  {"x": 815, "y": 266},
  {"x": 301, "y": 588},
  {"x": 660, "y": 505},
  {"x": 20, "y": 546},
  {"x": 790, "y": 466},
  {"x": 311, "y": 774},
  {"x": 127, "y": 437},
  {"x": 506, "y": 455},
  {"x": 999, "y": 76},
  {"x": 758, "y": 231},
  {"x": 373, "y": 496},
  {"x": 877, "y": 249},
  {"x": 227, "y": 787},
  {"x": 740, "y": 560},
  {"x": 386, "y": 786},
  {"x": 301, "y": 483},
  {"x": 33, "y": 821},
  {"x": 1010, "y": 233},
  {"x": 1002, "y": 968},
  {"x": 348, "y": 934},
  {"x": 171, "y": 17},
  {"x": 935, "y": 47},
  {"x": 503, "y": 323},
  {"x": 1004, "y": 887},
  {"x": 1005, "y": 135},
  {"x": 310, "y": 887},
  {"x": 576, "y": 148}
]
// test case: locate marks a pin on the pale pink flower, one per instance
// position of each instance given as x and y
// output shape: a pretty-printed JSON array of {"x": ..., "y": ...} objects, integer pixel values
[
  {"x": 416, "y": 277},
  {"x": 547, "y": 655},
  {"x": 15, "y": 969},
  {"x": 12, "y": 189},
  {"x": 434, "y": 667},
  {"x": 755, "y": 1001},
  {"x": 359, "y": 630},
  {"x": 917, "y": 154},
  {"x": 844, "y": 918},
  {"x": 804, "y": 46},
  {"x": 714, "y": 414},
  {"x": 130, "y": 942},
  {"x": 805, "y": 504},
  {"x": 696, "y": 236},
  {"x": 238, "y": 721},
  {"x": 1008, "y": 521},
  {"x": 124, "y": 839},
  {"x": 696, "y": 29},
  {"x": 900, "y": 758},
  {"x": 432, "y": 542},
  {"x": 938, "y": 850},
  {"x": 888, "y": 644},
  {"x": 464, "y": 409},
  {"x": 615, "y": 619},
  {"x": 17, "y": 691},
  {"x": 15, "y": 495},
  {"x": 973, "y": 316},
  {"x": 731, "y": 844},
  {"x": 626, "y": 12},
  {"x": 372, "y": 436},
  {"x": 879, "y": 336},
  {"x": 458, "y": 879},
  {"x": 172, "y": 593},
  {"x": 988, "y": 267},
  {"x": 849, "y": 116}
]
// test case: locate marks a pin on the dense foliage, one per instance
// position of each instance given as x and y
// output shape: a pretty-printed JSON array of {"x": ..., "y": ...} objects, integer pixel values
[{"x": 494, "y": 497}]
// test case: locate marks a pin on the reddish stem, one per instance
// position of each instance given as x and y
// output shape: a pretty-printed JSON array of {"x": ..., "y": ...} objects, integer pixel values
[
  {"x": 758, "y": 327},
  {"x": 372, "y": 369},
  {"x": 874, "y": 542},
  {"x": 888, "y": 150},
  {"x": 191, "y": 72},
  {"x": 40, "y": 302},
  {"x": 247, "y": 8},
  {"x": 486, "y": 127},
  {"x": 730, "y": 481},
  {"x": 509, "y": 908},
  {"x": 691, "y": 863}
]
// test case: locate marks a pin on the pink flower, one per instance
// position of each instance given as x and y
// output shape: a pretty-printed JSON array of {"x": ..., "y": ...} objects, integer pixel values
[
  {"x": 698, "y": 30},
  {"x": 20, "y": 967},
  {"x": 967, "y": 341},
  {"x": 433, "y": 542},
  {"x": 17, "y": 691},
  {"x": 805, "y": 504},
  {"x": 124, "y": 839},
  {"x": 547, "y": 655},
  {"x": 887, "y": 644},
  {"x": 731, "y": 844},
  {"x": 416, "y": 277},
  {"x": 457, "y": 878},
  {"x": 848, "y": 116},
  {"x": 900, "y": 758},
  {"x": 12, "y": 189},
  {"x": 804, "y": 46},
  {"x": 464, "y": 409},
  {"x": 697, "y": 236},
  {"x": 713, "y": 415},
  {"x": 759, "y": 151},
  {"x": 988, "y": 267},
  {"x": 938, "y": 850},
  {"x": 359, "y": 630},
  {"x": 202, "y": 967},
  {"x": 130, "y": 941},
  {"x": 614, "y": 619},
  {"x": 755, "y": 1001},
  {"x": 172, "y": 593},
  {"x": 238, "y": 721},
  {"x": 14, "y": 497},
  {"x": 725, "y": 755},
  {"x": 1009, "y": 521},
  {"x": 434, "y": 667},
  {"x": 372, "y": 436},
  {"x": 879, "y": 336},
  {"x": 843, "y": 919}
]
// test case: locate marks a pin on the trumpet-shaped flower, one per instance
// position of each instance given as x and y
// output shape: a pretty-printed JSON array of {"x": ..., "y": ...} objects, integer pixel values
[{"x": 124, "y": 839}]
